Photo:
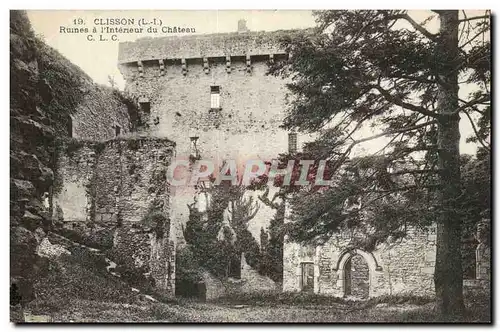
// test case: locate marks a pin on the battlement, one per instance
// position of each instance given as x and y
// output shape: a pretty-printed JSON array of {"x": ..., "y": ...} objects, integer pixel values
[{"x": 203, "y": 46}]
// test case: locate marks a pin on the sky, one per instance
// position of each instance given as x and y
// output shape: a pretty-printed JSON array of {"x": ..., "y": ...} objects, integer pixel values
[{"x": 99, "y": 59}]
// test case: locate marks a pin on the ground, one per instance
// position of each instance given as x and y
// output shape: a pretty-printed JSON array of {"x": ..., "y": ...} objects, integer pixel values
[
  {"x": 146, "y": 310},
  {"x": 78, "y": 286}
]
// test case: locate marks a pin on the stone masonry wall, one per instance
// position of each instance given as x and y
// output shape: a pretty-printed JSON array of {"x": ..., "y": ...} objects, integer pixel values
[
  {"x": 405, "y": 266},
  {"x": 100, "y": 111},
  {"x": 246, "y": 127},
  {"x": 197, "y": 46},
  {"x": 103, "y": 194},
  {"x": 50, "y": 98}
]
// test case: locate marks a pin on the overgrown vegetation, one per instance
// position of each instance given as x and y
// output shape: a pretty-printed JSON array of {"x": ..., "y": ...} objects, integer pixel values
[
  {"x": 81, "y": 275},
  {"x": 220, "y": 235},
  {"x": 307, "y": 299},
  {"x": 271, "y": 245}
]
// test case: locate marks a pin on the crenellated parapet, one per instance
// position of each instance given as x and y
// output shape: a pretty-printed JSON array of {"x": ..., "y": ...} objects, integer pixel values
[{"x": 204, "y": 50}]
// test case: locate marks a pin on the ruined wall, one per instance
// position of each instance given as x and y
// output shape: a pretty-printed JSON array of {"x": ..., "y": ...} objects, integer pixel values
[
  {"x": 100, "y": 111},
  {"x": 105, "y": 192},
  {"x": 405, "y": 266},
  {"x": 252, "y": 103},
  {"x": 246, "y": 126},
  {"x": 46, "y": 91}
]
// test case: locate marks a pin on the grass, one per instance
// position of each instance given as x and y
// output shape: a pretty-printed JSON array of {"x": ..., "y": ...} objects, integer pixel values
[
  {"x": 285, "y": 307},
  {"x": 78, "y": 310},
  {"x": 289, "y": 298}
]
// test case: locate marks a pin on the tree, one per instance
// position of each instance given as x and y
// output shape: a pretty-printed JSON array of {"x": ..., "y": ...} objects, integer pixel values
[
  {"x": 385, "y": 69},
  {"x": 220, "y": 235}
]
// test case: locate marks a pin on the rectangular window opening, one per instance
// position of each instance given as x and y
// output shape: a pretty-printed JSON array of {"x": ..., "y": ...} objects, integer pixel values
[
  {"x": 292, "y": 143},
  {"x": 215, "y": 97},
  {"x": 118, "y": 130},
  {"x": 145, "y": 107}
]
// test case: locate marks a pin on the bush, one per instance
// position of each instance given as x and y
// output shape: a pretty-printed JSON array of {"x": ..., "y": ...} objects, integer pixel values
[
  {"x": 188, "y": 274},
  {"x": 296, "y": 298},
  {"x": 278, "y": 297}
]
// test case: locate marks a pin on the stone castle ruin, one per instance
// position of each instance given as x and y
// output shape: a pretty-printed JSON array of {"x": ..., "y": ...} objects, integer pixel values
[{"x": 207, "y": 96}]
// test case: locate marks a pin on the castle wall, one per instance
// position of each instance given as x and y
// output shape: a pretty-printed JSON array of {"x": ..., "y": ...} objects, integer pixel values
[
  {"x": 99, "y": 112},
  {"x": 197, "y": 46},
  {"x": 245, "y": 127},
  {"x": 103, "y": 192},
  {"x": 402, "y": 267}
]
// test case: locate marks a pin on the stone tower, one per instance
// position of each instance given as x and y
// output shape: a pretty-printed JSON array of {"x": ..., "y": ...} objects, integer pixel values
[{"x": 211, "y": 95}]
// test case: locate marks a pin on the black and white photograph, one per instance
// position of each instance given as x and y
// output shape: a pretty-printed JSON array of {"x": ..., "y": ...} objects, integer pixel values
[{"x": 250, "y": 166}]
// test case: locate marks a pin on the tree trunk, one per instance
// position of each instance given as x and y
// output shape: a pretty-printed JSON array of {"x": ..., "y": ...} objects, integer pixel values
[{"x": 448, "y": 272}]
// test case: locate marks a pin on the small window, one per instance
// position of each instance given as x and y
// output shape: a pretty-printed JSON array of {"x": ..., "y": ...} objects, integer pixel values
[
  {"x": 292, "y": 143},
  {"x": 118, "y": 130},
  {"x": 145, "y": 107},
  {"x": 69, "y": 126},
  {"x": 307, "y": 282},
  {"x": 215, "y": 97}
]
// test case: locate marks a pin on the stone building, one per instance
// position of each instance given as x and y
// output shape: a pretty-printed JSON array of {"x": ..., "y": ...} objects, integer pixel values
[
  {"x": 335, "y": 268},
  {"x": 77, "y": 170},
  {"x": 211, "y": 95},
  {"x": 108, "y": 181}
]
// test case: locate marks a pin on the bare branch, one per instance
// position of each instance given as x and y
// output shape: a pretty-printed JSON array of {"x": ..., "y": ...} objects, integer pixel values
[
  {"x": 406, "y": 188},
  {"x": 476, "y": 131},
  {"x": 252, "y": 215},
  {"x": 479, "y": 100},
  {"x": 265, "y": 199},
  {"x": 420, "y": 148},
  {"x": 343, "y": 157},
  {"x": 397, "y": 101},
  {"x": 421, "y": 79},
  {"x": 471, "y": 106},
  {"x": 413, "y": 23},
  {"x": 474, "y": 18},
  {"x": 397, "y": 131},
  {"x": 419, "y": 28},
  {"x": 473, "y": 38}
]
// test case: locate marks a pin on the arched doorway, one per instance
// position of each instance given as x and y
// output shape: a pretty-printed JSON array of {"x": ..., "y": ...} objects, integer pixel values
[
  {"x": 358, "y": 273},
  {"x": 356, "y": 277}
]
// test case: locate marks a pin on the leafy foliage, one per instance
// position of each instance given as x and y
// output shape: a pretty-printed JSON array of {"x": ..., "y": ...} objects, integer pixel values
[
  {"x": 357, "y": 71},
  {"x": 364, "y": 75},
  {"x": 272, "y": 246},
  {"x": 219, "y": 235}
]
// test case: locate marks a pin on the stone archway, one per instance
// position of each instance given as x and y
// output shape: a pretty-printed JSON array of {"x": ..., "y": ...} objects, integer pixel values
[{"x": 360, "y": 282}]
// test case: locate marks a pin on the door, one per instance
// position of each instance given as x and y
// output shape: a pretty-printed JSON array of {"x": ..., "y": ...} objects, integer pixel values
[{"x": 307, "y": 277}]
